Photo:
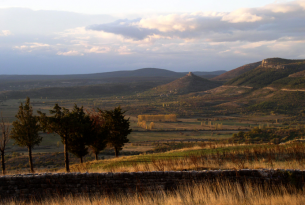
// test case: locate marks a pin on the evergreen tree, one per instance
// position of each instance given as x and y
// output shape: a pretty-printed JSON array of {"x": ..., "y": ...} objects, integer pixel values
[
  {"x": 118, "y": 128},
  {"x": 99, "y": 133},
  {"x": 61, "y": 123},
  {"x": 82, "y": 137},
  {"x": 25, "y": 129}
]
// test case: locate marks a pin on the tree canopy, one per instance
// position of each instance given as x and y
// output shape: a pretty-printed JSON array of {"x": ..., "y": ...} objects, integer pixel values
[
  {"x": 83, "y": 134},
  {"x": 61, "y": 123},
  {"x": 118, "y": 128},
  {"x": 99, "y": 133}
]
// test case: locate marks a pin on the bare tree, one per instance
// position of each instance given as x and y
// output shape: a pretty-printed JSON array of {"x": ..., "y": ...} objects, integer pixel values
[{"x": 4, "y": 139}]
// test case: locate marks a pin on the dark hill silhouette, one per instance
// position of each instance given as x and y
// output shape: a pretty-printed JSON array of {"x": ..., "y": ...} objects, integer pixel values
[
  {"x": 143, "y": 72},
  {"x": 187, "y": 84},
  {"x": 236, "y": 72},
  {"x": 26, "y": 82}
]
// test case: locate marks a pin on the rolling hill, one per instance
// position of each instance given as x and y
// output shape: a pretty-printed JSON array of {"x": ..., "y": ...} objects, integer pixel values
[
  {"x": 187, "y": 84},
  {"x": 275, "y": 85},
  {"x": 268, "y": 72}
]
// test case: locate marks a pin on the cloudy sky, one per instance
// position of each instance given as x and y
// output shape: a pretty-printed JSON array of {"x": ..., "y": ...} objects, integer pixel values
[{"x": 66, "y": 37}]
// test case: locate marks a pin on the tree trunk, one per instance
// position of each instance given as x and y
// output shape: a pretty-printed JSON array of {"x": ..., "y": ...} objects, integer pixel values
[
  {"x": 81, "y": 160},
  {"x": 96, "y": 156},
  {"x": 3, "y": 164},
  {"x": 66, "y": 156},
  {"x": 116, "y": 152},
  {"x": 30, "y": 159}
]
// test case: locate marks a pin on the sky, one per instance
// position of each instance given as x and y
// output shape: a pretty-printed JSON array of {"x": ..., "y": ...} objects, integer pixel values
[{"x": 74, "y": 37}]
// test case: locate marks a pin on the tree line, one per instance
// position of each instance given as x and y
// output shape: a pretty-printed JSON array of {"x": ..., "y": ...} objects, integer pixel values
[{"x": 80, "y": 130}]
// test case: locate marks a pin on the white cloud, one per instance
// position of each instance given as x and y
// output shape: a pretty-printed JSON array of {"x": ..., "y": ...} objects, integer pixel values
[
  {"x": 29, "y": 47},
  {"x": 215, "y": 32},
  {"x": 5, "y": 33},
  {"x": 123, "y": 50},
  {"x": 189, "y": 38},
  {"x": 70, "y": 53},
  {"x": 271, "y": 22},
  {"x": 172, "y": 22},
  {"x": 82, "y": 33},
  {"x": 241, "y": 15},
  {"x": 98, "y": 49},
  {"x": 294, "y": 6}
]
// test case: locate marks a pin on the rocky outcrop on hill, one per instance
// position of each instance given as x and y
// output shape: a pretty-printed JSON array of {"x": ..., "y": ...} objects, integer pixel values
[{"x": 280, "y": 63}]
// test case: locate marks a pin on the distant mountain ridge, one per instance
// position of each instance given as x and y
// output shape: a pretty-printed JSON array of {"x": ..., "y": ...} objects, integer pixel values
[{"x": 143, "y": 72}]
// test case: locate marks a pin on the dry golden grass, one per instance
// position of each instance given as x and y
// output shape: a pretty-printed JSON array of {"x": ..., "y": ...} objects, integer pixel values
[
  {"x": 274, "y": 157},
  {"x": 268, "y": 157},
  {"x": 223, "y": 193}
]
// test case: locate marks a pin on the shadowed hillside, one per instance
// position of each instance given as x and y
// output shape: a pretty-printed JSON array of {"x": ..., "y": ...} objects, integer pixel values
[
  {"x": 187, "y": 84},
  {"x": 298, "y": 74},
  {"x": 143, "y": 72},
  {"x": 236, "y": 72},
  {"x": 121, "y": 89},
  {"x": 26, "y": 82}
]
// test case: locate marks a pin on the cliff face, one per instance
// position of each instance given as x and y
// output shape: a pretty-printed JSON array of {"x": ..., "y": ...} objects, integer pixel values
[
  {"x": 279, "y": 63},
  {"x": 265, "y": 64},
  {"x": 270, "y": 64}
]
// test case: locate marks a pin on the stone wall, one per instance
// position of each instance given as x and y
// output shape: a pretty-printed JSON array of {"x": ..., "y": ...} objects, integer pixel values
[{"x": 60, "y": 184}]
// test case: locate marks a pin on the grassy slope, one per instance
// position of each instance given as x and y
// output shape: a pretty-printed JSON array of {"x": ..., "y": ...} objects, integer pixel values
[{"x": 128, "y": 161}]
